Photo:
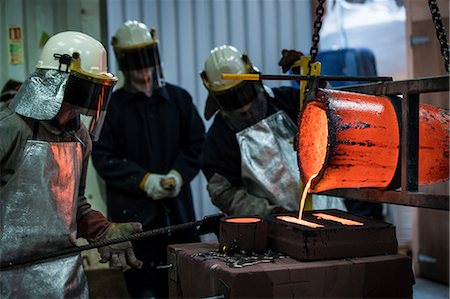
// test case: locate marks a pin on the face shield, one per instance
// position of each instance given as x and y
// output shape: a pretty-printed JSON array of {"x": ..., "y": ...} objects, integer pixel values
[
  {"x": 141, "y": 67},
  {"x": 88, "y": 93},
  {"x": 243, "y": 105}
]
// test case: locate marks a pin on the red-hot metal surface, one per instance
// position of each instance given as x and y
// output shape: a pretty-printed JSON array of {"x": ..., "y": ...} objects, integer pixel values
[{"x": 352, "y": 141}]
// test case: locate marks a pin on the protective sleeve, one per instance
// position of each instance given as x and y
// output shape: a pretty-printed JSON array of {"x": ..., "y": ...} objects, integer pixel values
[
  {"x": 83, "y": 205},
  {"x": 92, "y": 225},
  {"x": 237, "y": 201},
  {"x": 221, "y": 153}
]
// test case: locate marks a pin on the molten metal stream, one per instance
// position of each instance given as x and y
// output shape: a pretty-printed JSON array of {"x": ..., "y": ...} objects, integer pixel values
[
  {"x": 324, "y": 216},
  {"x": 299, "y": 220},
  {"x": 304, "y": 194}
]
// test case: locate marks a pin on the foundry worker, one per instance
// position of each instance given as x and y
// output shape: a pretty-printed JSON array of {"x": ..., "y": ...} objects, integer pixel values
[
  {"x": 44, "y": 152},
  {"x": 9, "y": 90},
  {"x": 148, "y": 153},
  {"x": 248, "y": 158}
]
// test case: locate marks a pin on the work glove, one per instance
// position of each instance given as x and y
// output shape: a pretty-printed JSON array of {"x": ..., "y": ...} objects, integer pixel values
[
  {"x": 288, "y": 57},
  {"x": 120, "y": 255},
  {"x": 172, "y": 182},
  {"x": 236, "y": 201},
  {"x": 154, "y": 187},
  {"x": 94, "y": 227}
]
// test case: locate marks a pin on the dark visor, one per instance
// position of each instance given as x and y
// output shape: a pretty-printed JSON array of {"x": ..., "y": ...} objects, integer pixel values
[
  {"x": 87, "y": 93},
  {"x": 92, "y": 97},
  {"x": 238, "y": 96},
  {"x": 138, "y": 58}
]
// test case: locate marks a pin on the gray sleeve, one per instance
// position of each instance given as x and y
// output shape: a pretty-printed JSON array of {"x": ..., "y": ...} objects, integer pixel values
[
  {"x": 84, "y": 206},
  {"x": 236, "y": 201}
]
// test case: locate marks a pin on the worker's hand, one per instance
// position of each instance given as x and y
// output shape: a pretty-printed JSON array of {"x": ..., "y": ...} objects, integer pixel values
[
  {"x": 288, "y": 57},
  {"x": 154, "y": 187},
  {"x": 172, "y": 182},
  {"x": 120, "y": 255}
]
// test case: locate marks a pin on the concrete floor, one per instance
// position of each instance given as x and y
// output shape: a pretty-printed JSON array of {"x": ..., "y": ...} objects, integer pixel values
[{"x": 427, "y": 289}]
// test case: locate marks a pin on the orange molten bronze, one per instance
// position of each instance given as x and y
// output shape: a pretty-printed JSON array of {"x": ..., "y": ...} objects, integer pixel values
[
  {"x": 337, "y": 219},
  {"x": 299, "y": 221},
  {"x": 353, "y": 141},
  {"x": 243, "y": 220}
]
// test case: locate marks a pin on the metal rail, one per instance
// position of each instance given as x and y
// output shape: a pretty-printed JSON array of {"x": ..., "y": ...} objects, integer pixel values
[{"x": 408, "y": 195}]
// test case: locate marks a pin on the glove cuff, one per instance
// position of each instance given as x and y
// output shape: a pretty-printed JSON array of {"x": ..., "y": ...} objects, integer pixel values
[
  {"x": 93, "y": 226},
  {"x": 144, "y": 181},
  {"x": 177, "y": 176}
]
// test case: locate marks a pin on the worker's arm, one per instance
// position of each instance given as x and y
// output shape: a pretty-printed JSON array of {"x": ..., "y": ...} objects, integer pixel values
[
  {"x": 237, "y": 201},
  {"x": 94, "y": 227}
]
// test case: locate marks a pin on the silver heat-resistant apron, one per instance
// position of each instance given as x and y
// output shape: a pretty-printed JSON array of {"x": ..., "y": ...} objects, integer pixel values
[
  {"x": 38, "y": 215},
  {"x": 268, "y": 160},
  {"x": 269, "y": 164}
]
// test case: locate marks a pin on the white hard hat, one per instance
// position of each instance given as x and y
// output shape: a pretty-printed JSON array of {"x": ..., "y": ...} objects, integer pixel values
[
  {"x": 132, "y": 34},
  {"x": 72, "y": 69},
  {"x": 224, "y": 59},
  {"x": 228, "y": 95},
  {"x": 91, "y": 52},
  {"x": 136, "y": 49}
]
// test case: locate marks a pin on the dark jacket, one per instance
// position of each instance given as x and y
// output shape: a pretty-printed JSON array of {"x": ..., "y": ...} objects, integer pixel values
[
  {"x": 141, "y": 135},
  {"x": 221, "y": 153}
]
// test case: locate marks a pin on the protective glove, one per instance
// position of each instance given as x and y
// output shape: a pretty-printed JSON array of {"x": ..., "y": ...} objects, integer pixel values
[
  {"x": 236, "y": 201},
  {"x": 154, "y": 188},
  {"x": 289, "y": 57},
  {"x": 287, "y": 60},
  {"x": 94, "y": 227},
  {"x": 120, "y": 255},
  {"x": 172, "y": 182}
]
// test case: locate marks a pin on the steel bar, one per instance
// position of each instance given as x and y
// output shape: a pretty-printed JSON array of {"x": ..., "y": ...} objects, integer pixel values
[
  {"x": 420, "y": 85},
  {"x": 409, "y": 148},
  {"x": 76, "y": 249},
  {"x": 255, "y": 77},
  {"x": 413, "y": 199}
]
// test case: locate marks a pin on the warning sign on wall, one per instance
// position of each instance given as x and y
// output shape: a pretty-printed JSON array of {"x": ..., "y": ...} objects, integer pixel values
[{"x": 15, "y": 45}]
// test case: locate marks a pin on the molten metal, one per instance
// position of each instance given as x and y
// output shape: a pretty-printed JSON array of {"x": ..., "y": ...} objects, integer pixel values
[
  {"x": 299, "y": 221},
  {"x": 353, "y": 141},
  {"x": 337, "y": 219},
  {"x": 243, "y": 220}
]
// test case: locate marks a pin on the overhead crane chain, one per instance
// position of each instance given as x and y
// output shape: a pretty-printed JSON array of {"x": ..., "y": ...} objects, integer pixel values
[
  {"x": 440, "y": 31},
  {"x": 316, "y": 37},
  {"x": 314, "y": 47}
]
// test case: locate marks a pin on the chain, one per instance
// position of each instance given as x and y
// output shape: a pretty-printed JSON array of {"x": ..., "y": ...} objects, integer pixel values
[
  {"x": 316, "y": 37},
  {"x": 440, "y": 31},
  {"x": 311, "y": 86}
]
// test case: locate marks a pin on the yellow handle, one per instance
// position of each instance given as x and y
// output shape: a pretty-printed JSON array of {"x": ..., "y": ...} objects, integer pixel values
[{"x": 248, "y": 77}]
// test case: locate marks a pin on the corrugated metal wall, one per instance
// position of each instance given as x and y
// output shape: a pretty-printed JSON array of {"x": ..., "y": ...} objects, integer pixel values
[
  {"x": 189, "y": 29},
  {"x": 36, "y": 17},
  {"x": 51, "y": 16}
]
